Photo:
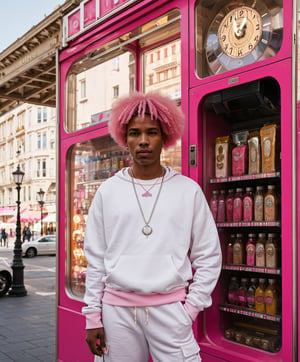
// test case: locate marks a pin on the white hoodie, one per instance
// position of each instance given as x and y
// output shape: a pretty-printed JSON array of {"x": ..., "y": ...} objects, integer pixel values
[{"x": 122, "y": 258}]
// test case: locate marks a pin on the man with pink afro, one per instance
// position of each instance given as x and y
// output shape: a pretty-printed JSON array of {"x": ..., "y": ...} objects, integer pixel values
[
  {"x": 151, "y": 244},
  {"x": 159, "y": 107}
]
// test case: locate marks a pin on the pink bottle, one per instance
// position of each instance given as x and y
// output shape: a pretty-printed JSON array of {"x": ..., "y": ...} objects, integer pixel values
[
  {"x": 221, "y": 207},
  {"x": 248, "y": 205},
  {"x": 238, "y": 205},
  {"x": 229, "y": 205},
  {"x": 214, "y": 204}
]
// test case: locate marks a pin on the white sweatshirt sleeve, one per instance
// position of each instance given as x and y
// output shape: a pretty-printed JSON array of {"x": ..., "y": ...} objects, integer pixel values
[
  {"x": 94, "y": 248},
  {"x": 205, "y": 254}
]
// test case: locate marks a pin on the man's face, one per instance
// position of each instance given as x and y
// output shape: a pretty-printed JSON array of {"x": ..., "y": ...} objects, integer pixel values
[{"x": 144, "y": 140}]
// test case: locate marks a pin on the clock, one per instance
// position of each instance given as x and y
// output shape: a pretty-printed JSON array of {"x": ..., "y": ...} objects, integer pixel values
[{"x": 241, "y": 34}]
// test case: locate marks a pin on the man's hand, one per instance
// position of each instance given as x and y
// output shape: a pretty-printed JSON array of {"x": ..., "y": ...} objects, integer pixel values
[{"x": 92, "y": 337}]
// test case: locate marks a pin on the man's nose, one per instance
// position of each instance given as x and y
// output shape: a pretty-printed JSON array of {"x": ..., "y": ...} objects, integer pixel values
[{"x": 144, "y": 139}]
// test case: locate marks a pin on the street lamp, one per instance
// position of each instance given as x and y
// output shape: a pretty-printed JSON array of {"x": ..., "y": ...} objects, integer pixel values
[
  {"x": 40, "y": 198},
  {"x": 18, "y": 288}
]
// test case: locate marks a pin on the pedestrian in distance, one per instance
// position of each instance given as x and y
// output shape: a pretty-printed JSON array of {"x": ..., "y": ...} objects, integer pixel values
[
  {"x": 151, "y": 244},
  {"x": 3, "y": 237}
]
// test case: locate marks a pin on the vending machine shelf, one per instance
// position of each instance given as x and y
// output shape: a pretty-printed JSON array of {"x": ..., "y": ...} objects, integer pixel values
[
  {"x": 258, "y": 176},
  {"x": 239, "y": 224},
  {"x": 229, "y": 308},
  {"x": 252, "y": 269}
]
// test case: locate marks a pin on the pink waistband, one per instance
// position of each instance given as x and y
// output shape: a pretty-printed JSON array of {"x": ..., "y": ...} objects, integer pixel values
[{"x": 130, "y": 299}]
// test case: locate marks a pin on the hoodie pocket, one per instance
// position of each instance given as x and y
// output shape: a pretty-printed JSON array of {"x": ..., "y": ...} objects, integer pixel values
[{"x": 145, "y": 274}]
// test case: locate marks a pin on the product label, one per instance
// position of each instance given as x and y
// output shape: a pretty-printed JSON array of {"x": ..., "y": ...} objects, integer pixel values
[
  {"x": 259, "y": 299},
  {"x": 258, "y": 208},
  {"x": 268, "y": 300},
  {"x": 251, "y": 299},
  {"x": 270, "y": 251}
]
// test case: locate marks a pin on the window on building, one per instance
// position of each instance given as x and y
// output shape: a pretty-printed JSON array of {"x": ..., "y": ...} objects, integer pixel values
[
  {"x": 41, "y": 170},
  {"x": 83, "y": 89},
  {"x": 39, "y": 141},
  {"x": 20, "y": 121},
  {"x": 158, "y": 55},
  {"x": 174, "y": 49},
  {"x": 45, "y": 114},
  {"x": 44, "y": 140},
  {"x": 116, "y": 64},
  {"x": 41, "y": 114},
  {"x": 165, "y": 52},
  {"x": 44, "y": 164},
  {"x": 116, "y": 91},
  {"x": 151, "y": 57}
]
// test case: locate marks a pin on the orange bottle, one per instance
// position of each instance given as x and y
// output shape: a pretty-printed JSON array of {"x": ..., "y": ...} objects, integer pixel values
[
  {"x": 271, "y": 297},
  {"x": 260, "y": 296}
]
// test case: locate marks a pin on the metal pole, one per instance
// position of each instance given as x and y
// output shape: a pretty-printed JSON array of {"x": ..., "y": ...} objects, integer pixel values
[
  {"x": 41, "y": 203},
  {"x": 18, "y": 288}
]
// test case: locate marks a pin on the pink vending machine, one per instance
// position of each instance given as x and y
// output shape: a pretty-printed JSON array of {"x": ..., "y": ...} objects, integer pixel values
[{"x": 231, "y": 65}]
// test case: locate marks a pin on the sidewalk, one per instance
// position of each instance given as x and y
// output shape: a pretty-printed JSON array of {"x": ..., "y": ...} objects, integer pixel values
[{"x": 28, "y": 326}]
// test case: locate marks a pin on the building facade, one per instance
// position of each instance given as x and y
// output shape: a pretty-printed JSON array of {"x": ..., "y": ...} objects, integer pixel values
[{"x": 28, "y": 139}]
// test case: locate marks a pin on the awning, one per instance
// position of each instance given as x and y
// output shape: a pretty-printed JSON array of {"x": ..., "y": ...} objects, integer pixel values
[
  {"x": 6, "y": 211},
  {"x": 27, "y": 216}
]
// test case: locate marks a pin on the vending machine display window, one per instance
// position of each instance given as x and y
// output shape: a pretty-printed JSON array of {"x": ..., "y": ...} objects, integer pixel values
[
  {"x": 243, "y": 186},
  {"x": 93, "y": 85},
  {"x": 230, "y": 34}
]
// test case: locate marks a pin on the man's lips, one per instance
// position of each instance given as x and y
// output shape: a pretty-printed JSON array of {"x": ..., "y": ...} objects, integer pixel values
[{"x": 143, "y": 153}]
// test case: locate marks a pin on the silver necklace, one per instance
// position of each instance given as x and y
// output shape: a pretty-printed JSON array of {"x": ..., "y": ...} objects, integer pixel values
[{"x": 146, "y": 229}]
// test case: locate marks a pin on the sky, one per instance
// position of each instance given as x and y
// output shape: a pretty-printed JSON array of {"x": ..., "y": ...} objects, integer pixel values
[{"x": 19, "y": 16}]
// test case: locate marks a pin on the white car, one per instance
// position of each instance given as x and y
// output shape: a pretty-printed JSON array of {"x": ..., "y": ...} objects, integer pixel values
[
  {"x": 45, "y": 245},
  {"x": 5, "y": 277}
]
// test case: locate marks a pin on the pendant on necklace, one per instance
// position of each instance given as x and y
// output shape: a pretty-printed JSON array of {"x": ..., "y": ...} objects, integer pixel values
[
  {"x": 147, "y": 230},
  {"x": 147, "y": 194}
]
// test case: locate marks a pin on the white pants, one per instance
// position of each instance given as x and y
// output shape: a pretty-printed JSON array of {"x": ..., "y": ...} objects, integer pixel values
[{"x": 163, "y": 331}]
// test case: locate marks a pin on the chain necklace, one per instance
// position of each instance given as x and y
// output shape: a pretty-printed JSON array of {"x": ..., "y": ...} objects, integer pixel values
[{"x": 147, "y": 229}]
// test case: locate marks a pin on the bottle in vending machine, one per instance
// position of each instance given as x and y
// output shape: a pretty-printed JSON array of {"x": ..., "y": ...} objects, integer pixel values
[
  {"x": 229, "y": 205},
  {"x": 260, "y": 250},
  {"x": 271, "y": 297},
  {"x": 260, "y": 296},
  {"x": 238, "y": 205},
  {"x": 233, "y": 291},
  {"x": 229, "y": 249},
  {"x": 250, "y": 250},
  {"x": 271, "y": 251},
  {"x": 259, "y": 204},
  {"x": 254, "y": 153},
  {"x": 248, "y": 204},
  {"x": 240, "y": 154},
  {"x": 243, "y": 290},
  {"x": 238, "y": 250},
  {"x": 214, "y": 204},
  {"x": 270, "y": 204},
  {"x": 221, "y": 206},
  {"x": 251, "y": 293}
]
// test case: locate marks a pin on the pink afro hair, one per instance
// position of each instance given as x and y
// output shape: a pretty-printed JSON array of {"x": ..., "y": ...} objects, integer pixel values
[{"x": 159, "y": 107}]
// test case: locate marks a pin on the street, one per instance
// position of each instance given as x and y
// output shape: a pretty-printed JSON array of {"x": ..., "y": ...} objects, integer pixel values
[{"x": 27, "y": 324}]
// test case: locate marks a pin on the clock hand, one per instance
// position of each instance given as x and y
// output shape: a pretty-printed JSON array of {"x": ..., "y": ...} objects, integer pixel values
[
  {"x": 241, "y": 31},
  {"x": 243, "y": 24},
  {"x": 235, "y": 29}
]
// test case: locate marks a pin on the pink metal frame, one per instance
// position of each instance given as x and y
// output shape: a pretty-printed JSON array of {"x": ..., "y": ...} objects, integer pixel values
[{"x": 71, "y": 344}]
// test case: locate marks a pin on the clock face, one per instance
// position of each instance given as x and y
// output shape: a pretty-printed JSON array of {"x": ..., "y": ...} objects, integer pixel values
[
  {"x": 240, "y": 32},
  {"x": 239, "y": 35}
]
